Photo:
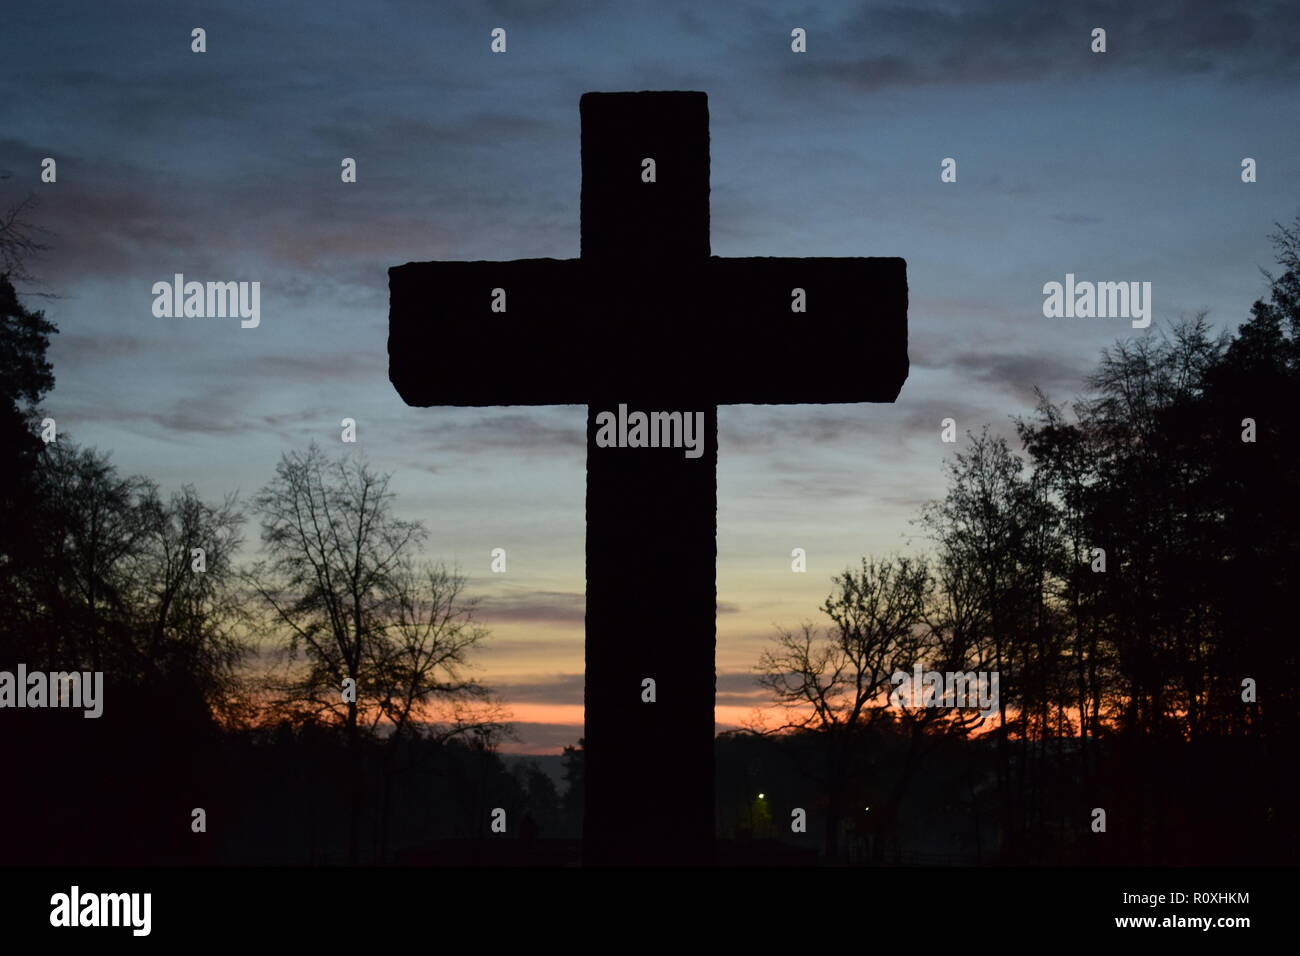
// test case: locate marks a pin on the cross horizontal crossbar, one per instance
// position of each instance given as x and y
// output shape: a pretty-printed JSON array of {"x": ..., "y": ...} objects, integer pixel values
[{"x": 712, "y": 331}]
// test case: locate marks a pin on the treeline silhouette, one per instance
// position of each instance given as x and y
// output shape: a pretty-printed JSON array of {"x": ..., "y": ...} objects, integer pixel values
[
  {"x": 1130, "y": 573},
  {"x": 316, "y": 705},
  {"x": 227, "y": 689}
]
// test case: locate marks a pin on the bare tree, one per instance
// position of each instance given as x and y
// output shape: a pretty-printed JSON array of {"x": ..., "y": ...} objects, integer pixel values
[
  {"x": 20, "y": 242},
  {"x": 334, "y": 547},
  {"x": 184, "y": 595},
  {"x": 385, "y": 642},
  {"x": 94, "y": 527},
  {"x": 419, "y": 672},
  {"x": 837, "y": 683},
  {"x": 420, "y": 658},
  {"x": 843, "y": 678}
]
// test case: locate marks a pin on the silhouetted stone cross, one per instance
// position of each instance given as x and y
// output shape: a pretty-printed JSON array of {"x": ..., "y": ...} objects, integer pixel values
[{"x": 648, "y": 319}]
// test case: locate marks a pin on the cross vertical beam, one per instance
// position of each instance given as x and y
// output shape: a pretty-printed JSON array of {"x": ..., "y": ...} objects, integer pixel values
[{"x": 651, "y": 512}]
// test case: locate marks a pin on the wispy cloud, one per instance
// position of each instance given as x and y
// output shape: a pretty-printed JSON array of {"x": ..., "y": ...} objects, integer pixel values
[
  {"x": 991, "y": 41},
  {"x": 535, "y": 607}
]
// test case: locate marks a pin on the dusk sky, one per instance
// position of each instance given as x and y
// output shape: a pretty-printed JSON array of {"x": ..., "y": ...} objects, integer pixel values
[{"x": 1121, "y": 166}]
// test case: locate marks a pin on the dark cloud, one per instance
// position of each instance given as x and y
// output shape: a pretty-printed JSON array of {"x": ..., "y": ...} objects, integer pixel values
[
  {"x": 214, "y": 412},
  {"x": 209, "y": 414},
  {"x": 992, "y": 41},
  {"x": 740, "y": 689},
  {"x": 1076, "y": 218},
  {"x": 403, "y": 134},
  {"x": 1012, "y": 366},
  {"x": 558, "y": 689},
  {"x": 534, "y": 646},
  {"x": 549, "y": 607},
  {"x": 818, "y": 487},
  {"x": 911, "y": 503},
  {"x": 506, "y": 13},
  {"x": 924, "y": 415},
  {"x": 535, "y": 607},
  {"x": 83, "y": 347},
  {"x": 786, "y": 435},
  {"x": 517, "y": 431},
  {"x": 321, "y": 368},
  {"x": 1017, "y": 373},
  {"x": 763, "y": 428}
]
